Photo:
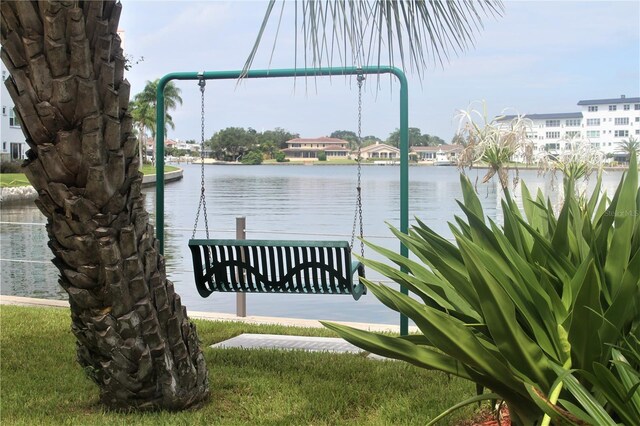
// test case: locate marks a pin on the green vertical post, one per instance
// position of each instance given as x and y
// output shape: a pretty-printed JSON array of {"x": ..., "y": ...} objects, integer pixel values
[
  {"x": 404, "y": 182},
  {"x": 290, "y": 72}
]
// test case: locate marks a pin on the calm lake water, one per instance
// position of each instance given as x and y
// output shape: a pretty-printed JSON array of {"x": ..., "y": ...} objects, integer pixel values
[{"x": 279, "y": 202}]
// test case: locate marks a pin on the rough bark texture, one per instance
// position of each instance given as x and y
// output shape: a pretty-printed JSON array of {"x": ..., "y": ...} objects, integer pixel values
[{"x": 133, "y": 335}]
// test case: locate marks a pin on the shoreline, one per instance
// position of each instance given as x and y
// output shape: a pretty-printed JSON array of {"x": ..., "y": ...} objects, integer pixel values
[
  {"x": 27, "y": 193},
  {"x": 380, "y": 163}
]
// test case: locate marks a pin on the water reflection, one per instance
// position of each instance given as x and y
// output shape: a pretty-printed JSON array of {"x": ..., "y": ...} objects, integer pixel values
[
  {"x": 279, "y": 202},
  {"x": 26, "y": 269}
]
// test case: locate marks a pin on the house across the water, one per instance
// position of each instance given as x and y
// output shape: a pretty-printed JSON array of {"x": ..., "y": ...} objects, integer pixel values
[
  {"x": 380, "y": 152},
  {"x": 307, "y": 149}
]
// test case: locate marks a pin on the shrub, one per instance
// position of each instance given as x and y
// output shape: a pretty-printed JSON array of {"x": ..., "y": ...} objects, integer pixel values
[
  {"x": 11, "y": 166},
  {"x": 322, "y": 156},
  {"x": 280, "y": 157},
  {"x": 524, "y": 308},
  {"x": 253, "y": 157}
]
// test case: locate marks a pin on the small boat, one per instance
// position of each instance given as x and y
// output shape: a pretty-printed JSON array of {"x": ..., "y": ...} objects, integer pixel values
[{"x": 442, "y": 159}]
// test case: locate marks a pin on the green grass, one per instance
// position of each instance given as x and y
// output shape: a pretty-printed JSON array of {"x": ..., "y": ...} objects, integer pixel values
[
  {"x": 335, "y": 161},
  {"x": 8, "y": 180},
  {"x": 11, "y": 180},
  {"x": 41, "y": 383},
  {"x": 149, "y": 169}
]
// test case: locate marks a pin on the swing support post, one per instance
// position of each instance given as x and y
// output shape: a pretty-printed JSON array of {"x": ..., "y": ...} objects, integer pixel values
[
  {"x": 290, "y": 72},
  {"x": 241, "y": 298}
]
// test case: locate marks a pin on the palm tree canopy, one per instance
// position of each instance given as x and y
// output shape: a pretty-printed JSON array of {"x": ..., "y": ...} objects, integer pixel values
[
  {"x": 144, "y": 105},
  {"x": 418, "y": 32},
  {"x": 630, "y": 145},
  {"x": 144, "y": 115},
  {"x": 171, "y": 94}
]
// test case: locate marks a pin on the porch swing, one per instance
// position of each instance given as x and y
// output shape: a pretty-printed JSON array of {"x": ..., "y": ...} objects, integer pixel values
[{"x": 277, "y": 266}]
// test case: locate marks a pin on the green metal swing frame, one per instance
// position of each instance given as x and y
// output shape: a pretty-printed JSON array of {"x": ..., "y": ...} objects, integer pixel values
[{"x": 203, "y": 248}]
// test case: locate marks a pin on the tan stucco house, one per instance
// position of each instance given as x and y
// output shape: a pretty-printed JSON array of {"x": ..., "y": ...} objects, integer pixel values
[{"x": 307, "y": 149}]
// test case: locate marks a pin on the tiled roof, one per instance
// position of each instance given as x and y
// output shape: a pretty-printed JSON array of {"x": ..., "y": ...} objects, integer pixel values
[
  {"x": 322, "y": 139},
  {"x": 307, "y": 149}
]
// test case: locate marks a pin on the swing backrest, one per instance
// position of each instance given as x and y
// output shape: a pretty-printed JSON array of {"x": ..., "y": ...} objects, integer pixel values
[{"x": 266, "y": 266}]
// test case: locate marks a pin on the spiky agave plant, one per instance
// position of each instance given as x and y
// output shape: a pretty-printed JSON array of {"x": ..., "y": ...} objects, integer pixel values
[{"x": 512, "y": 307}]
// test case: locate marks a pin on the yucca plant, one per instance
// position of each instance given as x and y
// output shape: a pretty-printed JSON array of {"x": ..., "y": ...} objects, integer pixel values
[{"x": 517, "y": 307}]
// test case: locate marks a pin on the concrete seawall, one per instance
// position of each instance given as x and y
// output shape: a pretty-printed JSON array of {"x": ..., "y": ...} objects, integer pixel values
[
  {"x": 150, "y": 180},
  {"x": 28, "y": 193},
  {"x": 17, "y": 194}
]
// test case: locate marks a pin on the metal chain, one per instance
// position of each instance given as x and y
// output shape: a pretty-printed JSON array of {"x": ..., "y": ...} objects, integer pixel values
[
  {"x": 358, "y": 212},
  {"x": 203, "y": 202}
]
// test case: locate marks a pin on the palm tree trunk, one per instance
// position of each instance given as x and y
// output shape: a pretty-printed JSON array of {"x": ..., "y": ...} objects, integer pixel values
[{"x": 133, "y": 335}]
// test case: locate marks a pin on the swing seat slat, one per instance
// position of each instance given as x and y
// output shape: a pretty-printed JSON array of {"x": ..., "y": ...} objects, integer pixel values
[{"x": 275, "y": 266}]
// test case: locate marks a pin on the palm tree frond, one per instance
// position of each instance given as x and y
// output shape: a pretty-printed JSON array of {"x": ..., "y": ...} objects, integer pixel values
[{"x": 414, "y": 32}]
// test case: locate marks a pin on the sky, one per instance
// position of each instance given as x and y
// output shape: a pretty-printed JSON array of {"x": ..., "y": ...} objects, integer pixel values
[{"x": 539, "y": 57}]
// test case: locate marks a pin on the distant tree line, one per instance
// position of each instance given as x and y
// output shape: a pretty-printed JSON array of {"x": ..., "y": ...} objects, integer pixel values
[
  {"x": 248, "y": 145},
  {"x": 416, "y": 138},
  {"x": 240, "y": 144},
  {"x": 236, "y": 143}
]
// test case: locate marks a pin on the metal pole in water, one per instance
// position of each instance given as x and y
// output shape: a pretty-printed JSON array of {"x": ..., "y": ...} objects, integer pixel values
[{"x": 241, "y": 298}]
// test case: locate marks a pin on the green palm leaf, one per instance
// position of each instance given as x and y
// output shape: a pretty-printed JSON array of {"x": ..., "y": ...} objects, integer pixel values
[
  {"x": 423, "y": 283},
  {"x": 630, "y": 380},
  {"x": 586, "y": 319},
  {"x": 626, "y": 214},
  {"x": 420, "y": 33},
  {"x": 500, "y": 316},
  {"x": 398, "y": 348}
]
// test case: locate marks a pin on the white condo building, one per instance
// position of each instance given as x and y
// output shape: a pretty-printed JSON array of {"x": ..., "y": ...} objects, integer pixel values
[
  {"x": 14, "y": 145},
  {"x": 603, "y": 123}
]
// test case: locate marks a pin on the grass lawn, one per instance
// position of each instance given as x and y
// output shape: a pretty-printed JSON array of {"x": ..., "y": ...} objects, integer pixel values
[
  {"x": 149, "y": 169},
  {"x": 41, "y": 383},
  {"x": 8, "y": 180}
]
